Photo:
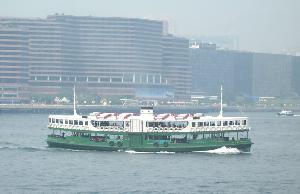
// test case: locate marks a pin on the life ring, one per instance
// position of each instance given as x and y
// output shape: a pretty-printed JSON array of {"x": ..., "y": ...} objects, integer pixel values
[
  {"x": 111, "y": 143},
  {"x": 119, "y": 144},
  {"x": 166, "y": 144}
]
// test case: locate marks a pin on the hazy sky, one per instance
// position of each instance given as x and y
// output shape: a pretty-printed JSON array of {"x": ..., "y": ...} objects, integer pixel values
[{"x": 261, "y": 25}]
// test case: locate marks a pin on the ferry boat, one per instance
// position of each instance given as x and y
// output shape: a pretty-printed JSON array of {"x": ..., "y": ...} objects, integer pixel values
[
  {"x": 285, "y": 113},
  {"x": 148, "y": 132}
]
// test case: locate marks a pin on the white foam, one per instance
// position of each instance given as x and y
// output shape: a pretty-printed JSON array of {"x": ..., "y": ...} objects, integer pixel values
[
  {"x": 161, "y": 152},
  {"x": 134, "y": 152},
  {"x": 164, "y": 152},
  {"x": 222, "y": 150}
]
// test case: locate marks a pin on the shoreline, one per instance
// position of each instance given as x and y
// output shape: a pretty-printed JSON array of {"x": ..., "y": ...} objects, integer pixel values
[{"x": 84, "y": 109}]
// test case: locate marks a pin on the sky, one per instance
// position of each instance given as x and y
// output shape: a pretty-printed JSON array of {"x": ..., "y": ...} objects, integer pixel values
[{"x": 261, "y": 25}]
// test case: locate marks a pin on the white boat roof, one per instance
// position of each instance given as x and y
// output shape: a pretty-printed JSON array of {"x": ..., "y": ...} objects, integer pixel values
[{"x": 164, "y": 117}]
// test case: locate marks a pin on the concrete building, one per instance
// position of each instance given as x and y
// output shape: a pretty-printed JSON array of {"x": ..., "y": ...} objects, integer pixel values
[
  {"x": 296, "y": 75},
  {"x": 14, "y": 64},
  {"x": 177, "y": 68},
  {"x": 271, "y": 75},
  {"x": 210, "y": 69},
  {"x": 106, "y": 55},
  {"x": 241, "y": 73}
]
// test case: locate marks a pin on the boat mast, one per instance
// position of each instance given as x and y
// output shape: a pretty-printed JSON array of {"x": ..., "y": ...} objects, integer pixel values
[
  {"x": 221, "y": 109},
  {"x": 74, "y": 101}
]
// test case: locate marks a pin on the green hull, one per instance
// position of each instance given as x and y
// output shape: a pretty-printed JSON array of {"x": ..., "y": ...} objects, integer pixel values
[{"x": 84, "y": 143}]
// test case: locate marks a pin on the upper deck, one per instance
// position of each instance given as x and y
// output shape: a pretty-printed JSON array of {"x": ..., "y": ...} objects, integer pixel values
[{"x": 148, "y": 122}]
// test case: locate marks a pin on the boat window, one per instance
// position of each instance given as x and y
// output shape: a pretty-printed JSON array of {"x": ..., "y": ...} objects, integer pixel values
[
  {"x": 237, "y": 122},
  {"x": 225, "y": 123},
  {"x": 219, "y": 123},
  {"x": 193, "y": 124},
  {"x": 80, "y": 122},
  {"x": 75, "y": 122},
  {"x": 244, "y": 122},
  {"x": 96, "y": 123},
  {"x": 150, "y": 124},
  {"x": 71, "y": 122},
  {"x": 53, "y": 120},
  {"x": 212, "y": 123},
  {"x": 49, "y": 120},
  {"x": 200, "y": 124},
  {"x": 66, "y": 121},
  {"x": 86, "y": 122},
  {"x": 231, "y": 123},
  {"x": 206, "y": 123},
  {"x": 56, "y": 121},
  {"x": 61, "y": 121}
]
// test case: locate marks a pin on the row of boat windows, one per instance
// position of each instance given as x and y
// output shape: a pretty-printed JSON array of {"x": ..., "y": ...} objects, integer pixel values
[
  {"x": 218, "y": 123},
  {"x": 66, "y": 121},
  {"x": 108, "y": 123},
  {"x": 178, "y": 124}
]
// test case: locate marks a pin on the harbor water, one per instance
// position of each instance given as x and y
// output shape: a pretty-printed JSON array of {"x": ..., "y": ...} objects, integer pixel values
[{"x": 27, "y": 165}]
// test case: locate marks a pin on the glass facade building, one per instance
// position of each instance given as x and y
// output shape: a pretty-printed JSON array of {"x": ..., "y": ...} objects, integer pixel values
[{"x": 242, "y": 73}]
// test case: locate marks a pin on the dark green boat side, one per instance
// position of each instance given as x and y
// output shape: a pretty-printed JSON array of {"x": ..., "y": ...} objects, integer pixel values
[{"x": 147, "y": 142}]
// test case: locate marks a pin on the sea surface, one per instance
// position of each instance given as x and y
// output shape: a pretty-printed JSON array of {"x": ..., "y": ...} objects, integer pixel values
[{"x": 27, "y": 165}]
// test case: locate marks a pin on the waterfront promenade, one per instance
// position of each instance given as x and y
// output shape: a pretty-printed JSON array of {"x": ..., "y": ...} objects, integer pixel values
[{"x": 68, "y": 108}]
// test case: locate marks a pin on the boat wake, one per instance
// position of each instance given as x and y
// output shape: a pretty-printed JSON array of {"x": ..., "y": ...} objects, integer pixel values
[
  {"x": 135, "y": 152},
  {"x": 10, "y": 146},
  {"x": 222, "y": 150}
]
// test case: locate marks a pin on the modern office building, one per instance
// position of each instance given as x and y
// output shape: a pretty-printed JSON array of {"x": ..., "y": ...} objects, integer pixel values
[
  {"x": 177, "y": 68},
  {"x": 211, "y": 68},
  {"x": 271, "y": 75},
  {"x": 296, "y": 75},
  {"x": 241, "y": 73},
  {"x": 106, "y": 55},
  {"x": 14, "y": 64}
]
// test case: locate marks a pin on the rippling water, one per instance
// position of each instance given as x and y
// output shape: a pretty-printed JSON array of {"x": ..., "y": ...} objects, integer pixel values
[{"x": 28, "y": 166}]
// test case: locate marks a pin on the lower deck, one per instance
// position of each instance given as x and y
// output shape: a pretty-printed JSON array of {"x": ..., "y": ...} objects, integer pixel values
[{"x": 145, "y": 142}]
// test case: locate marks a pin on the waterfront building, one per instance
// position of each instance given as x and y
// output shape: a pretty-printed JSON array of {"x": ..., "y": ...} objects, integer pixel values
[
  {"x": 211, "y": 68},
  {"x": 296, "y": 75},
  {"x": 13, "y": 64},
  {"x": 271, "y": 75},
  {"x": 241, "y": 73},
  {"x": 176, "y": 65},
  {"x": 108, "y": 56}
]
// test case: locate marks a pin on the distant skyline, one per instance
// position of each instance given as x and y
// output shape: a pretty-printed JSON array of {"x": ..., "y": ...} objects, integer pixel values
[{"x": 260, "y": 25}]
